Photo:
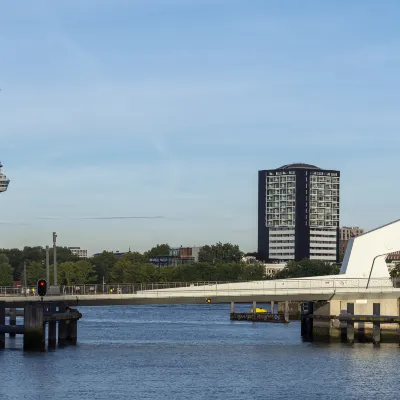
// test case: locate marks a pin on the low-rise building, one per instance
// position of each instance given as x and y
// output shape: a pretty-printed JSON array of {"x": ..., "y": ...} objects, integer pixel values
[
  {"x": 271, "y": 269},
  {"x": 347, "y": 233},
  {"x": 77, "y": 251}
]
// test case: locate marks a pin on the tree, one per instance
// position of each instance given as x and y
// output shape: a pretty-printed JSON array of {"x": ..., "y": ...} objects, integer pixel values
[
  {"x": 16, "y": 260},
  {"x": 157, "y": 251},
  {"x": 117, "y": 272},
  {"x": 66, "y": 273},
  {"x": 395, "y": 272},
  {"x": 83, "y": 272},
  {"x": 305, "y": 268},
  {"x": 64, "y": 254},
  {"x": 220, "y": 253},
  {"x": 103, "y": 264},
  {"x": 6, "y": 276},
  {"x": 34, "y": 272}
]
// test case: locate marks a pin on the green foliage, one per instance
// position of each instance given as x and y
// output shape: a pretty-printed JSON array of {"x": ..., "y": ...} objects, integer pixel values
[
  {"x": 35, "y": 271},
  {"x": 395, "y": 272},
  {"x": 220, "y": 253},
  {"x": 78, "y": 272},
  {"x": 305, "y": 268},
  {"x": 6, "y": 276},
  {"x": 84, "y": 272},
  {"x": 103, "y": 264},
  {"x": 159, "y": 250}
]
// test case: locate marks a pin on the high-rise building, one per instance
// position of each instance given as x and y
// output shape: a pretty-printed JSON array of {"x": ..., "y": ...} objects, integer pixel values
[{"x": 298, "y": 213}]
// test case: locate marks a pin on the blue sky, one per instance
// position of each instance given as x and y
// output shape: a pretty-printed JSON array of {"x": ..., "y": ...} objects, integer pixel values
[{"x": 168, "y": 108}]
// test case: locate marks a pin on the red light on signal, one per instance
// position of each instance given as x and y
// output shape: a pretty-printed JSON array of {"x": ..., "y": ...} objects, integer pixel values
[{"x": 42, "y": 283}]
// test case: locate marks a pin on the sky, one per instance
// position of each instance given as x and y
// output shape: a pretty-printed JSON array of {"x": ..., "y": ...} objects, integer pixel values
[{"x": 128, "y": 123}]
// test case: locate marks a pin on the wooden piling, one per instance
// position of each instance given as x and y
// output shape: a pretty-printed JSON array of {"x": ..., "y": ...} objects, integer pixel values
[
  {"x": 376, "y": 330},
  {"x": 13, "y": 321},
  {"x": 34, "y": 337},
  {"x": 350, "y": 324},
  {"x": 62, "y": 326},
  {"x": 52, "y": 329},
  {"x": 2, "y": 322}
]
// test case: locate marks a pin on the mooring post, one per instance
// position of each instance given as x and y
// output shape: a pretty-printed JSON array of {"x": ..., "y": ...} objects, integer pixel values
[
  {"x": 34, "y": 337},
  {"x": 350, "y": 324},
  {"x": 13, "y": 320},
  {"x": 72, "y": 331},
  {"x": 376, "y": 330},
  {"x": 286, "y": 312},
  {"x": 62, "y": 326},
  {"x": 2, "y": 323},
  {"x": 52, "y": 328}
]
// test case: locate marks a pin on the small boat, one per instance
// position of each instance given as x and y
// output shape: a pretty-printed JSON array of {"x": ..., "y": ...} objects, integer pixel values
[{"x": 259, "y": 310}]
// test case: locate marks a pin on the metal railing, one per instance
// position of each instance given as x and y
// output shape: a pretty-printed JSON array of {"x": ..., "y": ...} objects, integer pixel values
[{"x": 290, "y": 285}]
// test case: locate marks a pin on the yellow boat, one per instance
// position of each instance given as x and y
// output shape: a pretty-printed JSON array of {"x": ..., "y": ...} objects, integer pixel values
[{"x": 259, "y": 310}]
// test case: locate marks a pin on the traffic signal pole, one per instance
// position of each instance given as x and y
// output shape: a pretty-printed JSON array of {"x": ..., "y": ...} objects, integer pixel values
[
  {"x": 55, "y": 257},
  {"x": 47, "y": 264}
]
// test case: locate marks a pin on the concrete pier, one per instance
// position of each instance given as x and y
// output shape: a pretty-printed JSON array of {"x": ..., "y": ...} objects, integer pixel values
[
  {"x": 361, "y": 329},
  {"x": 286, "y": 311},
  {"x": 350, "y": 324},
  {"x": 13, "y": 321},
  {"x": 376, "y": 330},
  {"x": 2, "y": 322},
  {"x": 34, "y": 335},
  {"x": 62, "y": 327},
  {"x": 52, "y": 330},
  {"x": 71, "y": 331}
]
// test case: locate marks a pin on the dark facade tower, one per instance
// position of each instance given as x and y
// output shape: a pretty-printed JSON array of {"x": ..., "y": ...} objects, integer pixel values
[{"x": 298, "y": 213}]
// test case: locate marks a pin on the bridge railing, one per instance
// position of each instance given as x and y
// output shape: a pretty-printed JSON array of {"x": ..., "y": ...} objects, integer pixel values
[{"x": 289, "y": 285}]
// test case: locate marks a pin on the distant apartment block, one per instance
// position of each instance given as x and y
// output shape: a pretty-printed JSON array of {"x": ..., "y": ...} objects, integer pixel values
[
  {"x": 77, "y": 251},
  {"x": 177, "y": 256},
  {"x": 298, "y": 213},
  {"x": 346, "y": 233}
]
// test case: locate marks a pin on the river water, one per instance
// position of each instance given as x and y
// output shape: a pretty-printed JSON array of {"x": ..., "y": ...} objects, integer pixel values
[{"x": 195, "y": 352}]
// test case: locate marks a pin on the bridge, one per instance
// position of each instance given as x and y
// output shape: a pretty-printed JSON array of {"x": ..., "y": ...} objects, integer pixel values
[
  {"x": 363, "y": 286},
  {"x": 311, "y": 289}
]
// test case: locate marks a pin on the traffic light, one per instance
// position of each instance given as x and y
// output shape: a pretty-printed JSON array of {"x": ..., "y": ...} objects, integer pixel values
[{"x": 41, "y": 287}]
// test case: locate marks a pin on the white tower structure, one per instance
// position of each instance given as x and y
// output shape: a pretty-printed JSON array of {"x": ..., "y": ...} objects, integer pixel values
[{"x": 4, "y": 182}]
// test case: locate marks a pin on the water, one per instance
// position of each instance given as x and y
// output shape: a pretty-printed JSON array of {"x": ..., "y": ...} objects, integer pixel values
[{"x": 194, "y": 352}]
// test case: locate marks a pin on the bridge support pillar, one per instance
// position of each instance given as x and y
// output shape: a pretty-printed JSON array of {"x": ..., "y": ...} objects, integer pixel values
[
  {"x": 232, "y": 307},
  {"x": 62, "y": 326},
  {"x": 52, "y": 329},
  {"x": 34, "y": 337},
  {"x": 13, "y": 320},
  {"x": 286, "y": 312},
  {"x": 272, "y": 307},
  {"x": 350, "y": 324},
  {"x": 307, "y": 325},
  {"x": 72, "y": 331},
  {"x": 376, "y": 330},
  {"x": 2, "y": 322},
  {"x": 254, "y": 307}
]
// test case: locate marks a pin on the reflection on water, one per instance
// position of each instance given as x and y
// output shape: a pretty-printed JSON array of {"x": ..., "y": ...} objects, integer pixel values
[{"x": 196, "y": 352}]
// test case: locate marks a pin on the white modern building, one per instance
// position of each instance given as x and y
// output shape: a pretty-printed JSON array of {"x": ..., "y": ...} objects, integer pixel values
[{"x": 77, "y": 251}]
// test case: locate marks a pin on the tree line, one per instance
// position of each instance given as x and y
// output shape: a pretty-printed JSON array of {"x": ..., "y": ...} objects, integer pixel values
[{"x": 219, "y": 262}]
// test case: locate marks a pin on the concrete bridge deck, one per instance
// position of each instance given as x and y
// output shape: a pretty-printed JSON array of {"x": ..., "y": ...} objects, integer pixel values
[{"x": 261, "y": 291}]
